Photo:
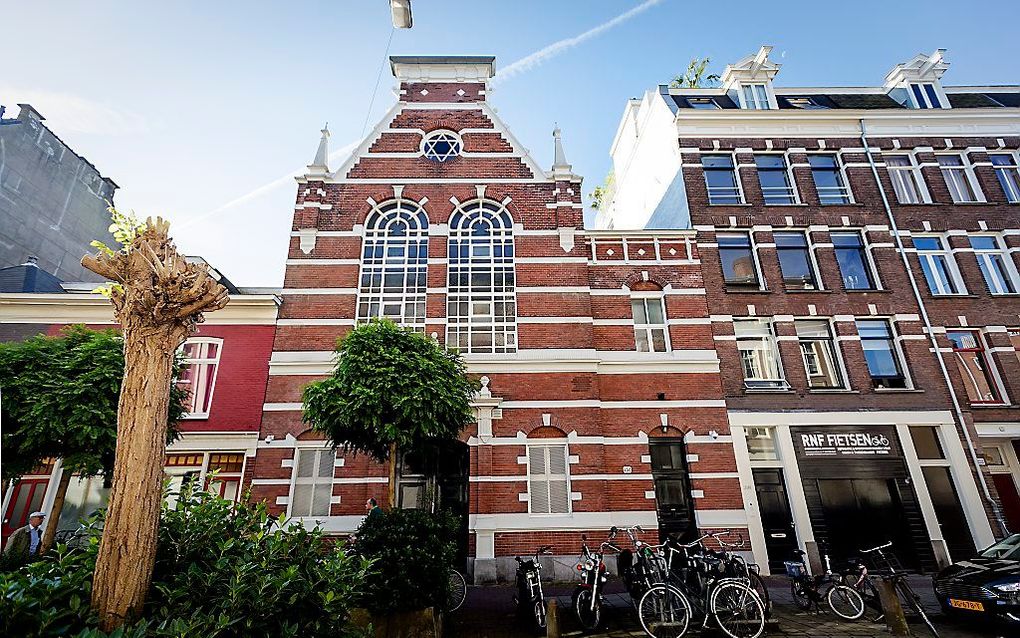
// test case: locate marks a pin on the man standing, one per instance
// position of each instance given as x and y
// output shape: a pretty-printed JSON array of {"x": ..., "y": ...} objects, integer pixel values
[
  {"x": 372, "y": 507},
  {"x": 24, "y": 544}
]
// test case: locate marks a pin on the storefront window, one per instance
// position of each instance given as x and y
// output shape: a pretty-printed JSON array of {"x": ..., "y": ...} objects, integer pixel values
[
  {"x": 969, "y": 354},
  {"x": 926, "y": 443},
  {"x": 761, "y": 444}
]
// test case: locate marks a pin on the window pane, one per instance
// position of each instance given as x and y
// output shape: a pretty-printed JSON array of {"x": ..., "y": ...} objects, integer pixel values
[
  {"x": 926, "y": 442},
  {"x": 828, "y": 179},
  {"x": 774, "y": 179},
  {"x": 721, "y": 179},
  {"x": 1009, "y": 178},
  {"x": 852, "y": 261},
  {"x": 654, "y": 307},
  {"x": 761, "y": 446},
  {"x": 973, "y": 366},
  {"x": 794, "y": 260},
  {"x": 737, "y": 259},
  {"x": 638, "y": 309}
]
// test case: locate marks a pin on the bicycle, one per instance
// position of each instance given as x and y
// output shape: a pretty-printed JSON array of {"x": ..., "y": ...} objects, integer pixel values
[
  {"x": 457, "y": 590},
  {"x": 662, "y": 608},
  {"x": 529, "y": 597},
  {"x": 896, "y": 576},
  {"x": 843, "y": 600},
  {"x": 701, "y": 576}
]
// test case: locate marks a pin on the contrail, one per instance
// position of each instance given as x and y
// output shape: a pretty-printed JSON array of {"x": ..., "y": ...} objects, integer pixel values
[
  {"x": 265, "y": 188},
  {"x": 538, "y": 57}
]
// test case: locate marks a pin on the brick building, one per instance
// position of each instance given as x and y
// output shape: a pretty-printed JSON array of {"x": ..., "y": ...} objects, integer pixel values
[
  {"x": 441, "y": 220},
  {"x": 226, "y": 370},
  {"x": 859, "y": 248}
]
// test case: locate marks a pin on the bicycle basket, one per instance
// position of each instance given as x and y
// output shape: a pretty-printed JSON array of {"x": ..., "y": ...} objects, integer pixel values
[{"x": 794, "y": 569}]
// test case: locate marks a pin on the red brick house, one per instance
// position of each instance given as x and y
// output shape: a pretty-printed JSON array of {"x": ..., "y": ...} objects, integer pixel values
[
  {"x": 226, "y": 371},
  {"x": 588, "y": 417}
]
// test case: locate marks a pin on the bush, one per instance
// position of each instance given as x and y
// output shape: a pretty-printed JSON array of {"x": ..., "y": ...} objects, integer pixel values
[
  {"x": 412, "y": 552},
  {"x": 221, "y": 571}
]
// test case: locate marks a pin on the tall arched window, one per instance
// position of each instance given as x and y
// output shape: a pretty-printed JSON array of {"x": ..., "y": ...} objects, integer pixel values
[
  {"x": 481, "y": 313},
  {"x": 394, "y": 263}
]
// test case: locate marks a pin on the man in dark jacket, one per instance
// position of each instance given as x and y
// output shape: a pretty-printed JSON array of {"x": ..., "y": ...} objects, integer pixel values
[
  {"x": 372, "y": 507},
  {"x": 24, "y": 544}
]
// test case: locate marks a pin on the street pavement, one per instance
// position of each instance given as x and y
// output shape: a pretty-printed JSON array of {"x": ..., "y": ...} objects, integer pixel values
[{"x": 489, "y": 612}]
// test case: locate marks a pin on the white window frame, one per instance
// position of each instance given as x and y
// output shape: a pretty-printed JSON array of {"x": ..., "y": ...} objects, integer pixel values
[
  {"x": 967, "y": 169},
  {"x": 913, "y": 172},
  {"x": 548, "y": 476},
  {"x": 760, "y": 101},
  {"x": 1012, "y": 195},
  {"x": 460, "y": 231},
  {"x": 984, "y": 259},
  {"x": 869, "y": 259},
  {"x": 771, "y": 344},
  {"x": 203, "y": 361},
  {"x": 897, "y": 349},
  {"x": 377, "y": 234},
  {"x": 650, "y": 298},
  {"x": 987, "y": 357},
  {"x": 951, "y": 266},
  {"x": 736, "y": 178},
  {"x": 791, "y": 180},
  {"x": 313, "y": 481},
  {"x": 837, "y": 353},
  {"x": 759, "y": 273},
  {"x": 925, "y": 102},
  {"x": 841, "y": 169}
]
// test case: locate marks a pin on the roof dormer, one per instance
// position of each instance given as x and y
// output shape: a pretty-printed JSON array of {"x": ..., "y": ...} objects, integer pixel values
[
  {"x": 749, "y": 81},
  {"x": 917, "y": 83}
]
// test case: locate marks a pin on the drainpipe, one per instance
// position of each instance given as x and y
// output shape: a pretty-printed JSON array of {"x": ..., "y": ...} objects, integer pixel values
[{"x": 996, "y": 511}]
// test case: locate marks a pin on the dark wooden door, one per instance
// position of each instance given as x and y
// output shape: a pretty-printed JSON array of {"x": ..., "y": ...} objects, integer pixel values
[
  {"x": 776, "y": 517},
  {"x": 673, "y": 500}
]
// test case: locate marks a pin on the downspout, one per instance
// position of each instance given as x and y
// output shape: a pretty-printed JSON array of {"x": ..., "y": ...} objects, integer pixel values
[{"x": 996, "y": 511}]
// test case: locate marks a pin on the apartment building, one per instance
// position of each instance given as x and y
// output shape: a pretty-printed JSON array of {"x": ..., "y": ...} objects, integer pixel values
[{"x": 859, "y": 248}]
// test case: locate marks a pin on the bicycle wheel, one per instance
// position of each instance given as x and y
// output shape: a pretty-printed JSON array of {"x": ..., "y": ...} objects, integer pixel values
[
  {"x": 664, "y": 612},
  {"x": 758, "y": 585},
  {"x": 845, "y": 602},
  {"x": 538, "y": 614},
  {"x": 737, "y": 610},
  {"x": 801, "y": 594},
  {"x": 914, "y": 603},
  {"x": 588, "y": 615},
  {"x": 457, "y": 590}
]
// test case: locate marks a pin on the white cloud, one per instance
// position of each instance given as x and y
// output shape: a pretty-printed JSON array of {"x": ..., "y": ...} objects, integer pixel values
[
  {"x": 538, "y": 57},
  {"x": 68, "y": 112}
]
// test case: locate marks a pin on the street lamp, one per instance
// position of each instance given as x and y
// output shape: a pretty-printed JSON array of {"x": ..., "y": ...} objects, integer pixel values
[{"x": 401, "y": 11}]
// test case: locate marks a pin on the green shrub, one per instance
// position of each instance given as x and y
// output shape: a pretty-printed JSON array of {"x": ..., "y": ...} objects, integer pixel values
[
  {"x": 412, "y": 552},
  {"x": 221, "y": 571}
]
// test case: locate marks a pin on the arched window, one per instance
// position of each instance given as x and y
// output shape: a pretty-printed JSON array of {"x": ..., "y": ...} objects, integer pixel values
[
  {"x": 394, "y": 263},
  {"x": 481, "y": 313}
]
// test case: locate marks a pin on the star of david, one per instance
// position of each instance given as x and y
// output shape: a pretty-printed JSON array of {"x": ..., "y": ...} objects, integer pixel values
[{"x": 441, "y": 146}]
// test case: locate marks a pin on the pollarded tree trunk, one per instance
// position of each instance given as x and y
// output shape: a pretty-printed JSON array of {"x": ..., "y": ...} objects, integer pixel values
[
  {"x": 391, "y": 487},
  {"x": 159, "y": 301}
]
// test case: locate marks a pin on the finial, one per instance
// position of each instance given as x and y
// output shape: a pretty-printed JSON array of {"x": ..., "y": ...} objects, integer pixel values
[
  {"x": 319, "y": 167},
  {"x": 560, "y": 165}
]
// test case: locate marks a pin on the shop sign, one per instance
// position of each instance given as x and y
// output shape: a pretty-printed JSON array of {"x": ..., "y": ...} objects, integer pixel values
[{"x": 844, "y": 443}]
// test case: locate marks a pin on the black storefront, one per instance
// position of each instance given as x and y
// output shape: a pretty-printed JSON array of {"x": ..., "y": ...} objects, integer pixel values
[{"x": 859, "y": 493}]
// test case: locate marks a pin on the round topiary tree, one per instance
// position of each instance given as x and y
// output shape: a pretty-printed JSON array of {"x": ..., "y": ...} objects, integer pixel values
[{"x": 391, "y": 388}]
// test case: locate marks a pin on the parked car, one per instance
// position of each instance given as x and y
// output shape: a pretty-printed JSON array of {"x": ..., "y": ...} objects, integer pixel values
[{"x": 987, "y": 585}]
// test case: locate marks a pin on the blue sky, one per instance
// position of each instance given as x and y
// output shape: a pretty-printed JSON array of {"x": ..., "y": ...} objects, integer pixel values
[{"x": 199, "y": 109}]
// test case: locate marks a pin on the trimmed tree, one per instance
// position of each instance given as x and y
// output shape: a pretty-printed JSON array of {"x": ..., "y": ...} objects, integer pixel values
[
  {"x": 158, "y": 298},
  {"x": 60, "y": 401},
  {"x": 392, "y": 388}
]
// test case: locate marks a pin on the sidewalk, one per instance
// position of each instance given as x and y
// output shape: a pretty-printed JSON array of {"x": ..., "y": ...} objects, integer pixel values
[{"x": 489, "y": 612}]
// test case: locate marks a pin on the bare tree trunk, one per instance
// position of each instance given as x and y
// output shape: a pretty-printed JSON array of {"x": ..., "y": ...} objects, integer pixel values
[
  {"x": 391, "y": 488},
  {"x": 58, "y": 507},
  {"x": 127, "y": 551},
  {"x": 158, "y": 299}
]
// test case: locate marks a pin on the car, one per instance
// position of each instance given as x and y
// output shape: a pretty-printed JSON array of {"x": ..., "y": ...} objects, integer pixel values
[{"x": 987, "y": 585}]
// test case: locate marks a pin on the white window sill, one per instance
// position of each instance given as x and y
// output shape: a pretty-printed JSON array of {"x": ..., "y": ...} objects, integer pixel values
[{"x": 195, "y": 417}]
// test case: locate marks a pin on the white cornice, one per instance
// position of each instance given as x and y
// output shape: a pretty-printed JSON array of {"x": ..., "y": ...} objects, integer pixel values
[{"x": 68, "y": 308}]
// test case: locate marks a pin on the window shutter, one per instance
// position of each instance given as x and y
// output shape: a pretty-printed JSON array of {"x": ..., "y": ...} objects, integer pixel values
[
  {"x": 538, "y": 484},
  {"x": 302, "y": 499},
  {"x": 306, "y": 461},
  {"x": 325, "y": 464},
  {"x": 559, "y": 498}
]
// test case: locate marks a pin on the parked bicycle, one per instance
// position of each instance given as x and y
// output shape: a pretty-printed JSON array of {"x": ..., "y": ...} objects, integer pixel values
[
  {"x": 888, "y": 570},
  {"x": 718, "y": 598},
  {"x": 458, "y": 590},
  {"x": 529, "y": 598},
  {"x": 844, "y": 601}
]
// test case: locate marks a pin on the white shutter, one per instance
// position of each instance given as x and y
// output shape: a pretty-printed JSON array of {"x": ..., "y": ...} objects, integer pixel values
[
  {"x": 313, "y": 483},
  {"x": 538, "y": 483},
  {"x": 306, "y": 462},
  {"x": 547, "y": 479},
  {"x": 559, "y": 498}
]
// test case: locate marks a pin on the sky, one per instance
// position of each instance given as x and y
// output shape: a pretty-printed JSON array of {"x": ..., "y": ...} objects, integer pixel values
[{"x": 202, "y": 111}]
